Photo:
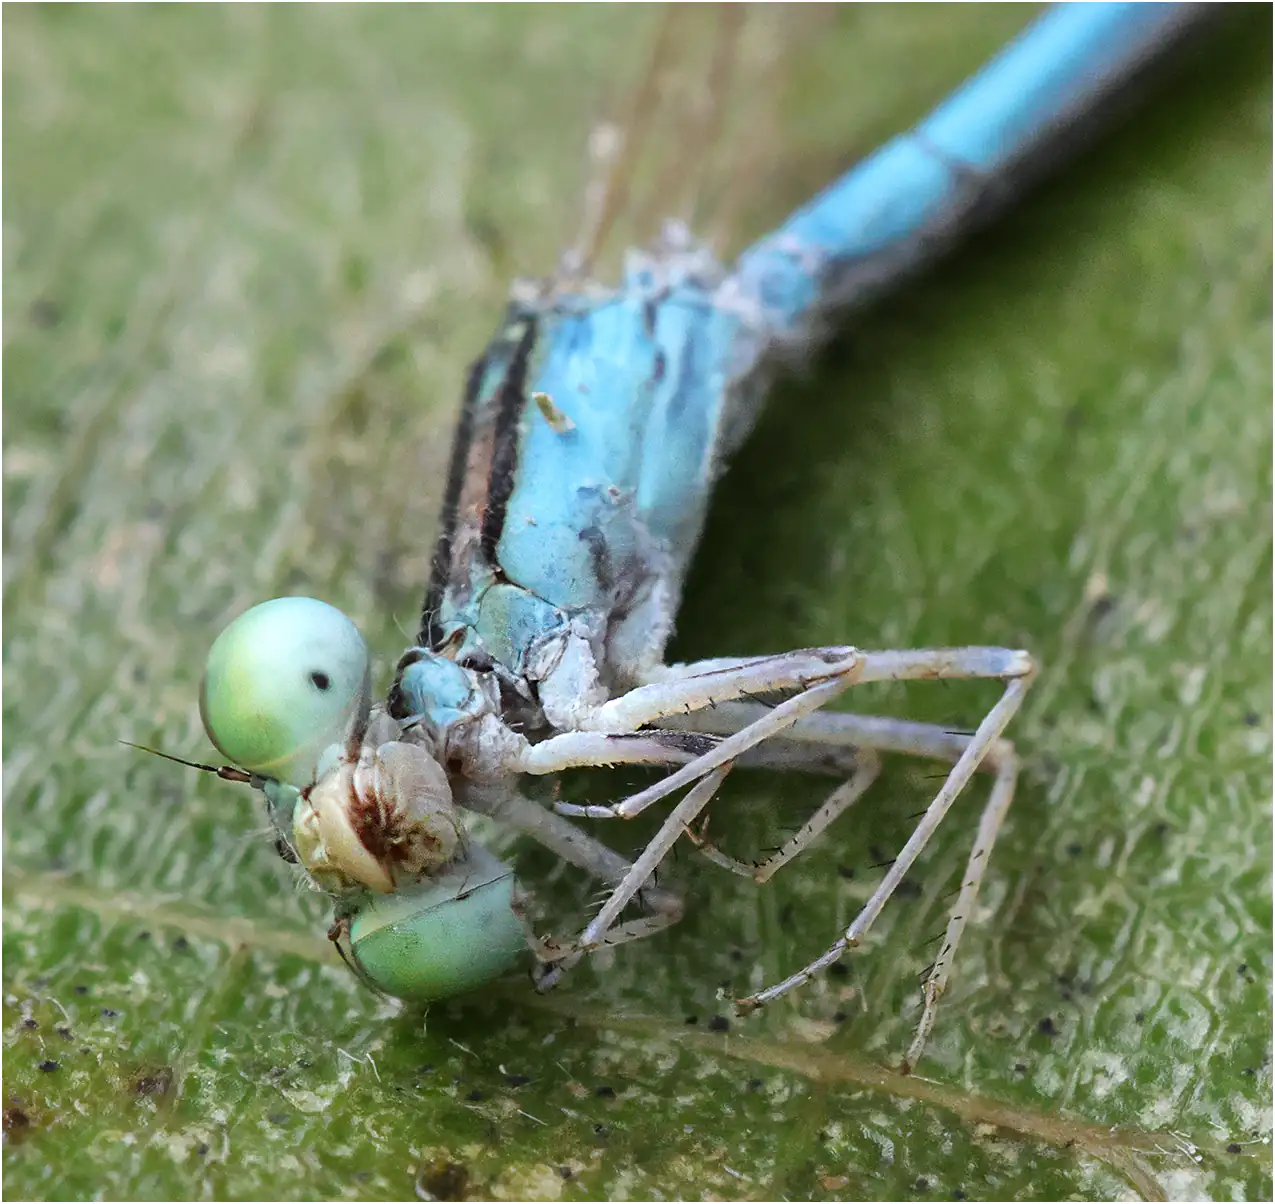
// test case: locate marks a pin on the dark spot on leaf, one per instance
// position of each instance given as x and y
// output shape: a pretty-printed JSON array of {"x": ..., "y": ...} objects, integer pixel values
[
  {"x": 1242, "y": 968},
  {"x": 1020, "y": 1067},
  {"x": 30, "y": 1022},
  {"x": 718, "y": 1024},
  {"x": 202, "y": 1149},
  {"x": 838, "y": 970},
  {"x": 443, "y": 1180},
  {"x": 691, "y": 1020},
  {"x": 15, "y": 1120},
  {"x": 517, "y": 1080},
  {"x": 475, "y": 1096},
  {"x": 44, "y": 314},
  {"x": 565, "y": 1172},
  {"x": 1101, "y": 607},
  {"x": 181, "y": 944},
  {"x": 839, "y": 1017},
  {"x": 845, "y": 871},
  {"x": 64, "y": 1031},
  {"x": 80, "y": 990},
  {"x": 154, "y": 1083},
  {"x": 604, "y": 1092},
  {"x": 907, "y": 889},
  {"x": 144, "y": 935},
  {"x": 958, "y": 1194},
  {"x": 922, "y": 1185},
  {"x": 1234, "y": 1147},
  {"x": 1139, "y": 1017},
  {"x": 1047, "y": 1027},
  {"x": 281, "y": 1119},
  {"x": 48, "y": 1066},
  {"x": 1252, "y": 719},
  {"x": 108, "y": 1013},
  {"x": 755, "y": 1084}
]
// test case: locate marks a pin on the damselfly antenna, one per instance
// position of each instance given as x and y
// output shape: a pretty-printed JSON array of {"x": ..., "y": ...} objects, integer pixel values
[{"x": 232, "y": 773}]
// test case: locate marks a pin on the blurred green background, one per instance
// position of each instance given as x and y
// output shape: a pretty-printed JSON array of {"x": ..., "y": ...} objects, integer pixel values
[{"x": 248, "y": 254}]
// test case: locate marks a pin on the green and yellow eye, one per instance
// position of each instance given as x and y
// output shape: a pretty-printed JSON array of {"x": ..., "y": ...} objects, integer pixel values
[
  {"x": 450, "y": 933},
  {"x": 283, "y": 682}
]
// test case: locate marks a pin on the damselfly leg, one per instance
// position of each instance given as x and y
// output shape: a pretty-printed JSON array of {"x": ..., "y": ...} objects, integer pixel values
[
  {"x": 662, "y": 907},
  {"x": 742, "y": 723}
]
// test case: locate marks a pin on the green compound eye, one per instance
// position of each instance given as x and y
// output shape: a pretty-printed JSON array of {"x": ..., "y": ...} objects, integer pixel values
[
  {"x": 444, "y": 937},
  {"x": 284, "y": 682}
]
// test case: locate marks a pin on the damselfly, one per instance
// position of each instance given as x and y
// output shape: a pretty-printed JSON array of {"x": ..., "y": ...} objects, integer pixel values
[{"x": 593, "y": 427}]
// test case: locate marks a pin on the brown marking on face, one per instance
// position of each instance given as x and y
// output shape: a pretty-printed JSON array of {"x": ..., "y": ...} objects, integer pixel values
[{"x": 384, "y": 832}]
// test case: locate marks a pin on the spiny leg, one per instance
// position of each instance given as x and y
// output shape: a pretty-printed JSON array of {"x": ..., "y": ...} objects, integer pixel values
[
  {"x": 796, "y": 718},
  {"x": 864, "y": 773},
  {"x": 679, "y": 746},
  {"x": 600, "y": 930},
  {"x": 680, "y": 689},
  {"x": 562, "y": 837},
  {"x": 829, "y": 742},
  {"x": 820, "y": 674},
  {"x": 823, "y": 731},
  {"x": 779, "y": 754},
  {"x": 725, "y": 681},
  {"x": 834, "y": 742},
  {"x": 989, "y": 826},
  {"x": 987, "y": 733}
]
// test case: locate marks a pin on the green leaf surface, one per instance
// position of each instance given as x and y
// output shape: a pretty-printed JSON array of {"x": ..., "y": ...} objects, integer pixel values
[{"x": 248, "y": 253}]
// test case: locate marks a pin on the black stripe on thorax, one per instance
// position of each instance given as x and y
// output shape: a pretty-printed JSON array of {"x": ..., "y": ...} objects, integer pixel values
[
  {"x": 504, "y": 461},
  {"x": 440, "y": 562}
]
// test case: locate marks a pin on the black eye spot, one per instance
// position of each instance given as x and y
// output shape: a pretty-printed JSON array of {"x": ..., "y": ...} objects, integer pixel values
[{"x": 321, "y": 680}]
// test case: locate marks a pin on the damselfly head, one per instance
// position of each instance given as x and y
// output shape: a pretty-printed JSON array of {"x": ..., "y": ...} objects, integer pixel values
[{"x": 284, "y": 682}]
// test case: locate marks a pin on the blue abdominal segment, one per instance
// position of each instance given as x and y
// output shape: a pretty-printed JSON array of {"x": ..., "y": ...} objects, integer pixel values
[{"x": 958, "y": 166}]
